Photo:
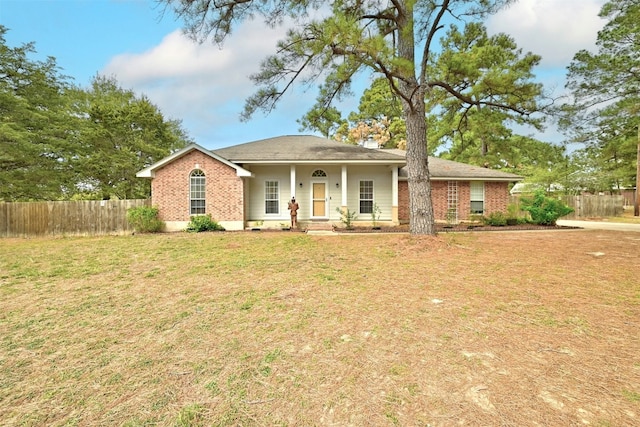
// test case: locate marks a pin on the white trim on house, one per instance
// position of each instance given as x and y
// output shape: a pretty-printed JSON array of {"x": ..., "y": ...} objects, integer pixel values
[
  {"x": 291, "y": 160},
  {"x": 323, "y": 162},
  {"x": 150, "y": 172}
]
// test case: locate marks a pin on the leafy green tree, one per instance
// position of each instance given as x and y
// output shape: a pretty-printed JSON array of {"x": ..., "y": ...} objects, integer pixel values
[
  {"x": 391, "y": 39},
  {"x": 58, "y": 141},
  {"x": 604, "y": 114},
  {"x": 122, "y": 134},
  {"x": 326, "y": 121},
  {"x": 36, "y": 139}
]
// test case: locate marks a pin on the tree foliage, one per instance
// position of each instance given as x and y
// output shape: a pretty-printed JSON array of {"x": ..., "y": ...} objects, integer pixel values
[
  {"x": 379, "y": 118},
  {"x": 489, "y": 72},
  {"x": 36, "y": 137},
  {"x": 482, "y": 67},
  {"x": 326, "y": 121},
  {"x": 394, "y": 40},
  {"x": 604, "y": 114},
  {"x": 123, "y": 134},
  {"x": 58, "y": 141}
]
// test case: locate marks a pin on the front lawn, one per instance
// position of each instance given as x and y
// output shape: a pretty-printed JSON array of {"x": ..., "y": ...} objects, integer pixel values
[{"x": 288, "y": 329}]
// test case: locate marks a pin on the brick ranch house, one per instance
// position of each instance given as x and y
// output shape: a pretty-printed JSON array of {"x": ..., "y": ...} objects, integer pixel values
[{"x": 249, "y": 185}]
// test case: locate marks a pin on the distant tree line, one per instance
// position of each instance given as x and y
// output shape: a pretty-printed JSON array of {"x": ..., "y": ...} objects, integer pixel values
[{"x": 59, "y": 141}]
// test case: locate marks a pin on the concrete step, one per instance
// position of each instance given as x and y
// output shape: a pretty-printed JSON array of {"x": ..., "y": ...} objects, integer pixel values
[{"x": 318, "y": 226}]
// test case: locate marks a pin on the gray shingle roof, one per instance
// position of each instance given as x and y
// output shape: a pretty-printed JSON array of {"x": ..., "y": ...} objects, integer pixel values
[
  {"x": 447, "y": 169},
  {"x": 302, "y": 148},
  {"x": 313, "y": 149}
]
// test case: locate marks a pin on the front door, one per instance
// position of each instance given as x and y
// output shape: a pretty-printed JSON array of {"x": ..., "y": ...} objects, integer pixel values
[{"x": 319, "y": 200}]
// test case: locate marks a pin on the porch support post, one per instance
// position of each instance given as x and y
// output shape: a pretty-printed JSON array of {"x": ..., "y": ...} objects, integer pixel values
[
  {"x": 292, "y": 173},
  {"x": 343, "y": 186},
  {"x": 394, "y": 195}
]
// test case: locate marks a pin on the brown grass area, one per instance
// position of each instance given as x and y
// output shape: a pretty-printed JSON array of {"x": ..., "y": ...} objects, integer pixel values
[
  {"x": 626, "y": 217},
  {"x": 257, "y": 329}
]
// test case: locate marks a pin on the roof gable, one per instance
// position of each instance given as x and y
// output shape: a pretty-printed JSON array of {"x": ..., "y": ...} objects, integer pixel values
[{"x": 150, "y": 171}]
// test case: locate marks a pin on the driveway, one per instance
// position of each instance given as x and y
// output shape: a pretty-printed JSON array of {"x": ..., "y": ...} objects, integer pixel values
[{"x": 600, "y": 225}]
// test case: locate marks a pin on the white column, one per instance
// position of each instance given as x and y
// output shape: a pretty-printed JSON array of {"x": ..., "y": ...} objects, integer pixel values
[
  {"x": 343, "y": 202},
  {"x": 394, "y": 195},
  {"x": 292, "y": 173},
  {"x": 394, "y": 185}
]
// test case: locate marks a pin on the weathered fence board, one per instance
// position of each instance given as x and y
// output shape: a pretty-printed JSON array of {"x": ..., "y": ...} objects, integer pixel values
[
  {"x": 87, "y": 217},
  {"x": 589, "y": 206},
  {"x": 594, "y": 206}
]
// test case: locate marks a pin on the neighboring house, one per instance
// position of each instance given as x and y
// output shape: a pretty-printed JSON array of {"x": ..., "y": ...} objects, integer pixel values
[{"x": 249, "y": 185}]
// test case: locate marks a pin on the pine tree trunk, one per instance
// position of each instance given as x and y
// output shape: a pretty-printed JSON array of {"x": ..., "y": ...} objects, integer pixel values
[
  {"x": 421, "y": 219},
  {"x": 636, "y": 203}
]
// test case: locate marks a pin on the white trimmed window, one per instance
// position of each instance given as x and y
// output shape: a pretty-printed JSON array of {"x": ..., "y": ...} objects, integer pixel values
[
  {"x": 366, "y": 197},
  {"x": 197, "y": 184},
  {"x": 271, "y": 197},
  {"x": 477, "y": 197}
]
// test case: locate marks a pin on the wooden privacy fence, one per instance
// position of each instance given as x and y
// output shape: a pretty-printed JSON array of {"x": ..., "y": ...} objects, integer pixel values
[
  {"x": 87, "y": 217},
  {"x": 589, "y": 206},
  {"x": 594, "y": 206}
]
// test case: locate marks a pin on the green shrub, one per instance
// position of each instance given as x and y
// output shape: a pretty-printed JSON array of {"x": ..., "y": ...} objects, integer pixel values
[
  {"x": 544, "y": 210},
  {"x": 200, "y": 223},
  {"x": 347, "y": 217},
  {"x": 144, "y": 219},
  {"x": 496, "y": 219}
]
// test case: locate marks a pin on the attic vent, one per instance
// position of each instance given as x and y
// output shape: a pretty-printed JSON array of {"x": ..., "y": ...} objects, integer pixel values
[{"x": 319, "y": 173}]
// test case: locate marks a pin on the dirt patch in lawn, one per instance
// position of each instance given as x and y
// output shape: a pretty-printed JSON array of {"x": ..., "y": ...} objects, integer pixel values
[
  {"x": 456, "y": 228},
  {"x": 256, "y": 329}
]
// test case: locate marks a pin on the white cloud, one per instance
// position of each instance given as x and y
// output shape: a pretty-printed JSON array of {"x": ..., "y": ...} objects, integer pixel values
[
  {"x": 175, "y": 56},
  {"x": 206, "y": 85},
  {"x": 203, "y": 84},
  {"x": 554, "y": 29}
]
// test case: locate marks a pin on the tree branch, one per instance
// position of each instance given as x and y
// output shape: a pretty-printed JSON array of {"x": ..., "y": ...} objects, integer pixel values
[
  {"x": 434, "y": 29},
  {"x": 468, "y": 100}
]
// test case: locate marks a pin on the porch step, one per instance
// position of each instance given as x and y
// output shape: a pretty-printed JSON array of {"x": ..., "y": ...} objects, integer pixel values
[{"x": 319, "y": 226}]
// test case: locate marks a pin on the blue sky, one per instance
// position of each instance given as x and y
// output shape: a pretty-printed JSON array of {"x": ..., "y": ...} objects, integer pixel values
[{"x": 205, "y": 86}]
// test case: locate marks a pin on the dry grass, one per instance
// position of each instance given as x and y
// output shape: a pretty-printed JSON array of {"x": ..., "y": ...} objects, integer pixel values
[
  {"x": 626, "y": 217},
  {"x": 263, "y": 329}
]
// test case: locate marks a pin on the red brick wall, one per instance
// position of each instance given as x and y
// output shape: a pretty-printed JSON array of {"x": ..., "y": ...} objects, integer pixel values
[
  {"x": 224, "y": 189},
  {"x": 496, "y": 197},
  {"x": 403, "y": 201}
]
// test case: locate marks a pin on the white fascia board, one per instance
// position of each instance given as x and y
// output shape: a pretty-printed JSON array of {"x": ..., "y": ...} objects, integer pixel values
[
  {"x": 149, "y": 172},
  {"x": 464, "y": 178},
  {"x": 323, "y": 162},
  {"x": 479, "y": 178}
]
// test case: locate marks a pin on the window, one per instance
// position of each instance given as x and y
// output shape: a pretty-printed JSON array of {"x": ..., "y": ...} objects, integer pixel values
[
  {"x": 197, "y": 192},
  {"x": 477, "y": 197},
  {"x": 366, "y": 197},
  {"x": 271, "y": 197}
]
